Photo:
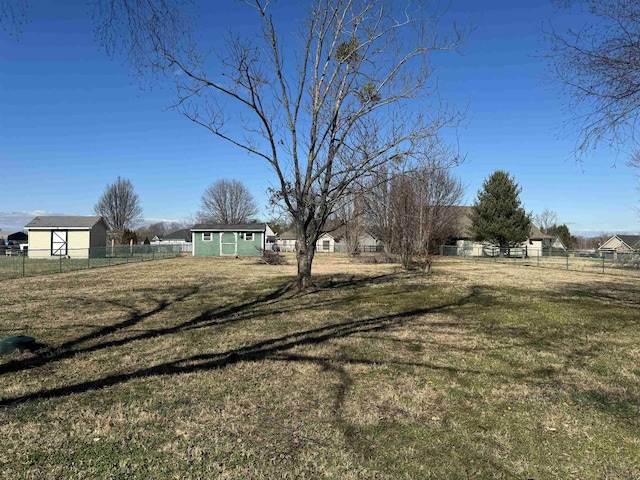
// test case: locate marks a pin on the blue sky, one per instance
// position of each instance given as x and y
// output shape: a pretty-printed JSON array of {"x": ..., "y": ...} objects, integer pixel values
[{"x": 72, "y": 120}]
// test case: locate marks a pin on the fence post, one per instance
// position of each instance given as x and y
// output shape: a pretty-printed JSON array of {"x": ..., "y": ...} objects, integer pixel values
[
  {"x": 60, "y": 269},
  {"x": 88, "y": 258},
  {"x": 567, "y": 260},
  {"x": 602, "y": 263},
  {"x": 23, "y": 262}
]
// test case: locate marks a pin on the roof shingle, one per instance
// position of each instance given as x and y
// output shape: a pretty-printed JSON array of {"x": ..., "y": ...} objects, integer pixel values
[{"x": 64, "y": 221}]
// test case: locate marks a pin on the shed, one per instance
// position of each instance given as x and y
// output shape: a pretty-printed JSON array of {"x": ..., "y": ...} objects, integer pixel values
[
  {"x": 67, "y": 236},
  {"x": 240, "y": 240}
]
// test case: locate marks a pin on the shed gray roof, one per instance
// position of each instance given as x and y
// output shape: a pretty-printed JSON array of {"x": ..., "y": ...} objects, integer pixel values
[
  {"x": 240, "y": 227},
  {"x": 65, "y": 221}
]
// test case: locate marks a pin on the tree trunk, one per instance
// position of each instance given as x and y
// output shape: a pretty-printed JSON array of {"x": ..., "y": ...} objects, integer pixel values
[
  {"x": 304, "y": 255},
  {"x": 305, "y": 251}
]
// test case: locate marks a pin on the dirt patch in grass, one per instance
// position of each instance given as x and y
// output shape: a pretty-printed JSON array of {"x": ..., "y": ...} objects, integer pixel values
[{"x": 218, "y": 368}]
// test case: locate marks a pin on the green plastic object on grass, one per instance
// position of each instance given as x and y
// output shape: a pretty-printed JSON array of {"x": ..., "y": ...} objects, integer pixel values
[{"x": 18, "y": 343}]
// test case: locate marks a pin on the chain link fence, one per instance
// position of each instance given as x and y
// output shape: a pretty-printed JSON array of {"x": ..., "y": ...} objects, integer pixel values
[
  {"x": 29, "y": 263},
  {"x": 627, "y": 263}
]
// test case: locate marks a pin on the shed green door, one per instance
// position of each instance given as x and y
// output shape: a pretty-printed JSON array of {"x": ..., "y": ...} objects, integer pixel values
[{"x": 228, "y": 244}]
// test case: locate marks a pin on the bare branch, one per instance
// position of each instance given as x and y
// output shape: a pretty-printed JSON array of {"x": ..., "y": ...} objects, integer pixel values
[{"x": 598, "y": 68}]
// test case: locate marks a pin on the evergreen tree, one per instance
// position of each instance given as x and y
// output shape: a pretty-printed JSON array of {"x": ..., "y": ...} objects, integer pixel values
[
  {"x": 562, "y": 231},
  {"x": 127, "y": 236},
  {"x": 497, "y": 215}
]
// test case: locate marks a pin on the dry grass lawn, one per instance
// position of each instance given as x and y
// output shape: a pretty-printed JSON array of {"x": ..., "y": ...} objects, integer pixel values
[{"x": 217, "y": 368}]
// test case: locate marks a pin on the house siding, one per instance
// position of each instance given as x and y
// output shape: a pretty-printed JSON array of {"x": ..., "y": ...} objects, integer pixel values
[
  {"x": 250, "y": 248},
  {"x": 98, "y": 236},
  {"x": 614, "y": 244},
  {"x": 206, "y": 249},
  {"x": 78, "y": 243},
  {"x": 320, "y": 244},
  {"x": 39, "y": 244}
]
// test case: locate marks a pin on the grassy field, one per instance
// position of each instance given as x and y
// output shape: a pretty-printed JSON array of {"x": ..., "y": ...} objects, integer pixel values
[{"x": 217, "y": 368}]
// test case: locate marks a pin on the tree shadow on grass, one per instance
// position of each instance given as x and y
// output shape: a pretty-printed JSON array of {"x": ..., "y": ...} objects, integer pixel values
[
  {"x": 135, "y": 317},
  {"x": 250, "y": 307},
  {"x": 255, "y": 352}
]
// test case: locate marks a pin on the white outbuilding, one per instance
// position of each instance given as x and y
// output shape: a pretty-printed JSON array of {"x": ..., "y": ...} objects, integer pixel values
[{"x": 67, "y": 236}]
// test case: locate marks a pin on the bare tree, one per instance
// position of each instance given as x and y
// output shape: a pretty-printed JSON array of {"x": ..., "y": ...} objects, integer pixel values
[
  {"x": 119, "y": 205},
  {"x": 377, "y": 207},
  {"x": 228, "y": 202},
  {"x": 439, "y": 193},
  {"x": 597, "y": 67},
  {"x": 405, "y": 223},
  {"x": 545, "y": 220},
  {"x": 422, "y": 212},
  {"x": 13, "y": 15},
  {"x": 324, "y": 109},
  {"x": 350, "y": 217}
]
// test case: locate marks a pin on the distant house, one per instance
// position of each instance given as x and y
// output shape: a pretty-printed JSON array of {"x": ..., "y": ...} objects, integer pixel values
[
  {"x": 620, "y": 244},
  {"x": 67, "y": 236},
  {"x": 558, "y": 244},
  {"x": 537, "y": 244},
  {"x": 287, "y": 241},
  {"x": 335, "y": 241},
  {"x": 179, "y": 236},
  {"x": 240, "y": 240},
  {"x": 329, "y": 242}
]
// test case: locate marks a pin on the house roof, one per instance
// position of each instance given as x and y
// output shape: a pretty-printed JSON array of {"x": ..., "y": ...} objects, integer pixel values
[
  {"x": 536, "y": 234},
  {"x": 182, "y": 234},
  {"x": 464, "y": 221},
  {"x": 288, "y": 235},
  {"x": 220, "y": 227},
  {"x": 631, "y": 241},
  {"x": 64, "y": 221}
]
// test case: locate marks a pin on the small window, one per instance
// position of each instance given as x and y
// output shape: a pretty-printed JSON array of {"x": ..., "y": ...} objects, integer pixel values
[
  {"x": 248, "y": 237},
  {"x": 206, "y": 236},
  {"x": 325, "y": 245}
]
